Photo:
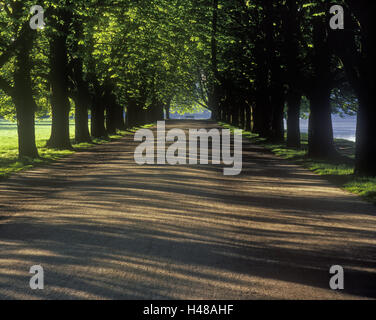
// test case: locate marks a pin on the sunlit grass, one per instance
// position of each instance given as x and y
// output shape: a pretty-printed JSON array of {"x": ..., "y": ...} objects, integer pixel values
[
  {"x": 366, "y": 187},
  {"x": 9, "y": 161},
  {"x": 339, "y": 171}
]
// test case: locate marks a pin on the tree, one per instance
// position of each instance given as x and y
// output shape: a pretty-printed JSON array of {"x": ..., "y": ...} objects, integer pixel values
[
  {"x": 354, "y": 46},
  {"x": 21, "y": 91},
  {"x": 59, "y": 19},
  {"x": 291, "y": 53}
]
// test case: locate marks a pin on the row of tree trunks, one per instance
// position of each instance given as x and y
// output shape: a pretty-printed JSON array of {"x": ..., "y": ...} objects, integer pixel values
[
  {"x": 137, "y": 115},
  {"x": 155, "y": 113}
]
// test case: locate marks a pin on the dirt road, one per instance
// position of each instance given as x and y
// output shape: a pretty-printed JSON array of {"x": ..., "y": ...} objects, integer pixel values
[{"x": 103, "y": 227}]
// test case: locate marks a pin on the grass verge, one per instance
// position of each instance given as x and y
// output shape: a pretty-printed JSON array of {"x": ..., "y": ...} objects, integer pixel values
[
  {"x": 339, "y": 171},
  {"x": 10, "y": 163}
]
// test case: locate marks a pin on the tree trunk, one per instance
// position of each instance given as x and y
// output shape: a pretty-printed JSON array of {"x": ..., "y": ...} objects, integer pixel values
[
  {"x": 155, "y": 112},
  {"x": 167, "y": 110},
  {"x": 215, "y": 101},
  {"x": 132, "y": 114},
  {"x": 365, "y": 160},
  {"x": 358, "y": 56},
  {"x": 234, "y": 114},
  {"x": 82, "y": 119},
  {"x": 26, "y": 127},
  {"x": 98, "y": 129},
  {"x": 248, "y": 117},
  {"x": 278, "y": 127},
  {"x": 214, "y": 104},
  {"x": 60, "y": 104},
  {"x": 227, "y": 112},
  {"x": 320, "y": 132},
  {"x": 242, "y": 115},
  {"x": 111, "y": 113},
  {"x": 82, "y": 103},
  {"x": 293, "y": 120},
  {"x": 292, "y": 31},
  {"x": 24, "y": 100},
  {"x": 119, "y": 120},
  {"x": 262, "y": 115},
  {"x": 219, "y": 113}
]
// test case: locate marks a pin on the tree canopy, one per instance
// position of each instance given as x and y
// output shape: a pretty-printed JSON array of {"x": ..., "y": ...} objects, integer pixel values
[{"x": 251, "y": 62}]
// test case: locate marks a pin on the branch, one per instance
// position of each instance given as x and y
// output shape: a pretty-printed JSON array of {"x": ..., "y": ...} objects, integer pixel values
[
  {"x": 5, "y": 6},
  {"x": 202, "y": 105},
  {"x": 4, "y": 85},
  {"x": 11, "y": 50}
]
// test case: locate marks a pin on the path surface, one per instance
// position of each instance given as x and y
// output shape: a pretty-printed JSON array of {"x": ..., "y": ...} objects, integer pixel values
[{"x": 104, "y": 228}]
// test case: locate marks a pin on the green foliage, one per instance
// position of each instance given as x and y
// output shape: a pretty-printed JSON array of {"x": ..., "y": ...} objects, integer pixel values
[
  {"x": 159, "y": 52},
  {"x": 159, "y": 49},
  {"x": 146, "y": 48}
]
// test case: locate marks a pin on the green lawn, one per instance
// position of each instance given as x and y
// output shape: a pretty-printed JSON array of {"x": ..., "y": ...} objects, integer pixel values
[
  {"x": 338, "y": 171},
  {"x": 9, "y": 162}
]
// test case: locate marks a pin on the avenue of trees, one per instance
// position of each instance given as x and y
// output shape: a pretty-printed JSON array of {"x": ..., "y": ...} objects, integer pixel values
[{"x": 251, "y": 62}]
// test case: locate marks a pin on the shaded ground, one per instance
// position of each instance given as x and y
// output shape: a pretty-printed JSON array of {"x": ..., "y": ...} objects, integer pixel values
[{"x": 104, "y": 228}]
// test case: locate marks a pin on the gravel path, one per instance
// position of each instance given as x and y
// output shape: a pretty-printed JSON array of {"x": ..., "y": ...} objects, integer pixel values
[{"x": 103, "y": 227}]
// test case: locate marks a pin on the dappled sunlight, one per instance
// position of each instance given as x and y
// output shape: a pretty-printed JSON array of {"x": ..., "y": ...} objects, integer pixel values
[{"x": 105, "y": 228}]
